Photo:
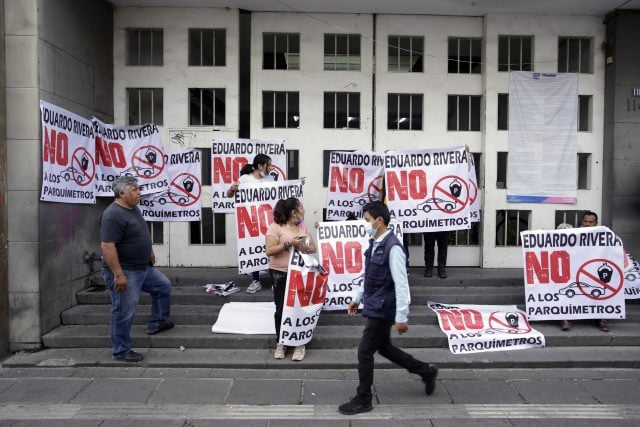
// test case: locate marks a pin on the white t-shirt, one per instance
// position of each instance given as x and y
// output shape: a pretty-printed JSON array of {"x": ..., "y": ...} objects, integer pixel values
[{"x": 250, "y": 179}]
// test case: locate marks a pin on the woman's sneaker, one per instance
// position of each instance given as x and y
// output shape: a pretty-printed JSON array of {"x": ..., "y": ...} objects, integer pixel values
[
  {"x": 254, "y": 287},
  {"x": 298, "y": 353},
  {"x": 279, "y": 354}
]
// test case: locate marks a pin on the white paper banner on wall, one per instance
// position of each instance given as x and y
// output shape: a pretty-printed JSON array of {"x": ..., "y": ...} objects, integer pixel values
[
  {"x": 576, "y": 273},
  {"x": 631, "y": 277},
  {"x": 68, "y": 164},
  {"x": 481, "y": 328},
  {"x": 341, "y": 251},
  {"x": 129, "y": 151},
  {"x": 230, "y": 155},
  {"x": 543, "y": 126},
  {"x": 254, "y": 205},
  {"x": 474, "y": 192},
  {"x": 428, "y": 190},
  {"x": 355, "y": 179},
  {"x": 182, "y": 201}
]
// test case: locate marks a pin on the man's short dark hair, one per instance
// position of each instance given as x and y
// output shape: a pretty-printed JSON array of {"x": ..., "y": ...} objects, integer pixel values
[
  {"x": 377, "y": 209},
  {"x": 590, "y": 213}
]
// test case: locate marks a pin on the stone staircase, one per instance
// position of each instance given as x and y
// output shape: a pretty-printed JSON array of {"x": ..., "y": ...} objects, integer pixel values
[{"x": 85, "y": 326}]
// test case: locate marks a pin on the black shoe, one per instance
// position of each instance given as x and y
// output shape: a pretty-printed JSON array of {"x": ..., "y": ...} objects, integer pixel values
[
  {"x": 355, "y": 406},
  {"x": 429, "y": 378},
  {"x": 428, "y": 272},
  {"x": 165, "y": 326},
  {"x": 442, "y": 273},
  {"x": 129, "y": 356}
]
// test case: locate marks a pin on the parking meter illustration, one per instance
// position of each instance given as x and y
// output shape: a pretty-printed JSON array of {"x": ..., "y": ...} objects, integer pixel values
[
  {"x": 604, "y": 272},
  {"x": 150, "y": 155},
  {"x": 456, "y": 188},
  {"x": 274, "y": 174},
  {"x": 187, "y": 183},
  {"x": 84, "y": 162},
  {"x": 512, "y": 319}
]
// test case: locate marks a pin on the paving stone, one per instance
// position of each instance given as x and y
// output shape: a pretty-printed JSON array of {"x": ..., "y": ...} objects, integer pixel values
[
  {"x": 44, "y": 390},
  {"x": 315, "y": 423},
  {"x": 5, "y": 383},
  {"x": 470, "y": 423},
  {"x": 265, "y": 392},
  {"x": 177, "y": 373},
  {"x": 553, "y": 391},
  {"x": 328, "y": 392},
  {"x": 226, "y": 423},
  {"x": 57, "y": 423},
  {"x": 572, "y": 423},
  {"x": 114, "y": 390},
  {"x": 143, "y": 423},
  {"x": 191, "y": 391},
  {"x": 40, "y": 372},
  {"x": 409, "y": 393},
  {"x": 99, "y": 372},
  {"x": 613, "y": 391},
  {"x": 481, "y": 391}
]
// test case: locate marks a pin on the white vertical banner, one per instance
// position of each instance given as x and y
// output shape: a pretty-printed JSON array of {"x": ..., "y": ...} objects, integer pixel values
[
  {"x": 631, "y": 277},
  {"x": 254, "y": 205},
  {"x": 474, "y": 192},
  {"x": 68, "y": 165},
  {"x": 228, "y": 157},
  {"x": 182, "y": 201},
  {"x": 355, "y": 179},
  {"x": 341, "y": 250},
  {"x": 543, "y": 126}
]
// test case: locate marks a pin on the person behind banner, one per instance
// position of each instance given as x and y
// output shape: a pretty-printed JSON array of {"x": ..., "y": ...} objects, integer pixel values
[
  {"x": 589, "y": 219},
  {"x": 385, "y": 295},
  {"x": 128, "y": 268},
  {"x": 258, "y": 171},
  {"x": 287, "y": 231}
]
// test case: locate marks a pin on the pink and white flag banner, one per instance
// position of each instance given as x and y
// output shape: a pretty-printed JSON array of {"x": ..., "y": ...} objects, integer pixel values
[
  {"x": 253, "y": 206},
  {"x": 428, "y": 190},
  {"x": 129, "y": 151},
  {"x": 576, "y": 273},
  {"x": 482, "y": 328},
  {"x": 182, "y": 200},
  {"x": 303, "y": 299},
  {"x": 68, "y": 164},
  {"x": 631, "y": 277},
  {"x": 341, "y": 246},
  {"x": 228, "y": 156},
  {"x": 355, "y": 179}
]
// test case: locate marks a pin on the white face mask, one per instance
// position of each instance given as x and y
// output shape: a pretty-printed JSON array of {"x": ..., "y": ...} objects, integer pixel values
[
  {"x": 369, "y": 229},
  {"x": 263, "y": 174}
]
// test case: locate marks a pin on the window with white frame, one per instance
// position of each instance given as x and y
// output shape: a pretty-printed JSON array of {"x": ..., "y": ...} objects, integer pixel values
[
  {"x": 280, "y": 109},
  {"x": 206, "y": 107},
  {"x": 210, "y": 230},
  {"x": 406, "y": 54},
  {"x": 207, "y": 47},
  {"x": 156, "y": 230},
  {"x": 144, "y": 46},
  {"x": 584, "y": 113},
  {"x": 342, "y": 52},
  {"x": 465, "y": 55},
  {"x": 280, "y": 51},
  {"x": 515, "y": 53},
  {"x": 509, "y": 224},
  {"x": 145, "y": 106},
  {"x": 571, "y": 217},
  {"x": 404, "y": 111},
  {"x": 575, "y": 55},
  {"x": 342, "y": 110},
  {"x": 293, "y": 164},
  {"x": 584, "y": 171},
  {"x": 463, "y": 112}
]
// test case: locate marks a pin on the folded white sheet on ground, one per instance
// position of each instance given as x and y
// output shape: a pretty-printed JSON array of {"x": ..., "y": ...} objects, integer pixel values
[{"x": 245, "y": 318}]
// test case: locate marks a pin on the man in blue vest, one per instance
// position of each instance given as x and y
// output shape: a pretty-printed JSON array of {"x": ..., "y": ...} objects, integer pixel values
[{"x": 385, "y": 295}]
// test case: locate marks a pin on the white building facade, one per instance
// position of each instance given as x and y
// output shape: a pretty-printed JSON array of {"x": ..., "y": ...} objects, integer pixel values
[{"x": 325, "y": 82}]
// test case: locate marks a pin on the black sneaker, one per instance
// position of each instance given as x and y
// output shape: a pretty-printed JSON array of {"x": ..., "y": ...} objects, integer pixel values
[
  {"x": 129, "y": 356},
  {"x": 355, "y": 406},
  {"x": 429, "y": 378},
  {"x": 428, "y": 272},
  {"x": 442, "y": 273},
  {"x": 165, "y": 326}
]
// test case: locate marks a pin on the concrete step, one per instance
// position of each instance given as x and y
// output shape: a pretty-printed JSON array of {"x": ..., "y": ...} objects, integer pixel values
[{"x": 623, "y": 333}]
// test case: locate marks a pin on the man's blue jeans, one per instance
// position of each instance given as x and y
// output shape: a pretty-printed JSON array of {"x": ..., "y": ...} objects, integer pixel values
[{"x": 124, "y": 304}]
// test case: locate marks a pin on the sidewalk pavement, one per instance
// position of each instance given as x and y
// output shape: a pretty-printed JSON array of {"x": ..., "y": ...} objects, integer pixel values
[{"x": 136, "y": 395}]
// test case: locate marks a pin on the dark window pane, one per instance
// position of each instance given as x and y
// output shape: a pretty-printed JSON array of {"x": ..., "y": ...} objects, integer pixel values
[
  {"x": 341, "y": 44},
  {"x": 294, "y": 43},
  {"x": 132, "y": 47},
  {"x": 194, "y": 47},
  {"x": 503, "y": 53},
  {"x": 157, "y": 46},
  {"x": 146, "y": 102},
  {"x": 585, "y": 55},
  {"x": 417, "y": 48},
  {"x": 463, "y": 112},
  {"x": 416, "y": 112},
  {"x": 514, "y": 53},
  {"x": 583, "y": 170},
  {"x": 207, "y": 107},
  {"x": 574, "y": 55},
  {"x": 354, "y": 44},
  {"x": 393, "y": 53},
  {"x": 281, "y": 50},
  {"x": 527, "y": 54},
  {"x": 145, "y": 47},
  {"x": 475, "y": 113},
  {"x": 157, "y": 231},
  {"x": 405, "y": 53},
  {"x": 512, "y": 227},
  {"x": 452, "y": 112},
  {"x": 157, "y": 107},
  {"x": 329, "y": 110},
  {"x": 329, "y": 44},
  {"x": 293, "y": 164},
  {"x": 341, "y": 110},
  {"x": 194, "y": 107},
  {"x": 354, "y": 111},
  {"x": 195, "y": 237},
  {"x": 501, "y": 181},
  {"x": 294, "y": 110},
  {"x": 584, "y": 107},
  {"x": 503, "y": 111},
  {"x": 476, "y": 56},
  {"x": 563, "y": 45},
  {"x": 267, "y": 109},
  {"x": 281, "y": 109},
  {"x": 207, "y": 226},
  {"x": 134, "y": 100},
  {"x": 221, "y": 48},
  {"x": 392, "y": 111},
  {"x": 207, "y": 48},
  {"x": 452, "y": 65},
  {"x": 465, "y": 55},
  {"x": 205, "y": 171},
  {"x": 268, "y": 41},
  {"x": 220, "y": 107},
  {"x": 404, "y": 121},
  {"x": 219, "y": 229}
]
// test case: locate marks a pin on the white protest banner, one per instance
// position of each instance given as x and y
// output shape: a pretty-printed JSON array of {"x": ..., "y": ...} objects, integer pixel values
[
  {"x": 129, "y": 151},
  {"x": 428, "y": 190},
  {"x": 481, "y": 328},
  {"x": 574, "y": 273},
  {"x": 303, "y": 299},
  {"x": 68, "y": 166},
  {"x": 254, "y": 205},
  {"x": 182, "y": 201},
  {"x": 341, "y": 250},
  {"x": 228, "y": 156},
  {"x": 474, "y": 192},
  {"x": 355, "y": 179},
  {"x": 631, "y": 277},
  {"x": 543, "y": 137}
]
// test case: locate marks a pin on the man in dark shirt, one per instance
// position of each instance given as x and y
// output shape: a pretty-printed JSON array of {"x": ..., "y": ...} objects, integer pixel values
[{"x": 128, "y": 269}]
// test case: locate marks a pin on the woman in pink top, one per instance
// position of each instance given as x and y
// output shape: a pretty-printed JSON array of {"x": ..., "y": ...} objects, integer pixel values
[{"x": 287, "y": 231}]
